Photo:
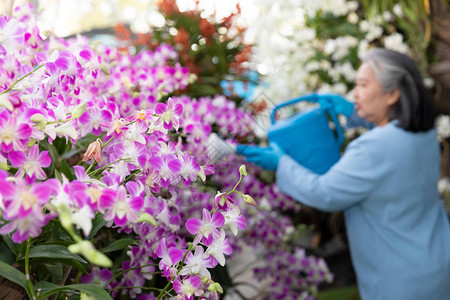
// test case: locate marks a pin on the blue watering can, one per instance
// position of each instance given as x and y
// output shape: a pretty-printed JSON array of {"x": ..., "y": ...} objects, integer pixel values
[{"x": 307, "y": 137}]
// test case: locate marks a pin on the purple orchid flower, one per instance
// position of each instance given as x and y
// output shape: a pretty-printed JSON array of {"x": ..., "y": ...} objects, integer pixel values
[
  {"x": 219, "y": 247},
  {"x": 28, "y": 226},
  {"x": 170, "y": 256},
  {"x": 97, "y": 276},
  {"x": 20, "y": 199},
  {"x": 188, "y": 288},
  {"x": 31, "y": 164},
  {"x": 169, "y": 113},
  {"x": 13, "y": 135},
  {"x": 119, "y": 207},
  {"x": 206, "y": 229}
]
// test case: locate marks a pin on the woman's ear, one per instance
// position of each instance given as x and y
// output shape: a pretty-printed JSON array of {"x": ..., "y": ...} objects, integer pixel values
[{"x": 393, "y": 96}]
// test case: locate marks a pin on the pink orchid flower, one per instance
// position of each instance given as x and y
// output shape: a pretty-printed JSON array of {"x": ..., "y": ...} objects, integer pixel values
[
  {"x": 31, "y": 164},
  {"x": 11, "y": 35},
  {"x": 206, "y": 229},
  {"x": 170, "y": 256},
  {"x": 188, "y": 288},
  {"x": 219, "y": 247},
  {"x": 13, "y": 135},
  {"x": 20, "y": 200},
  {"x": 119, "y": 207},
  {"x": 169, "y": 113}
]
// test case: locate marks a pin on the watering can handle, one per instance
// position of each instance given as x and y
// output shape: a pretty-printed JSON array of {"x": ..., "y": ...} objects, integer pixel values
[{"x": 313, "y": 97}]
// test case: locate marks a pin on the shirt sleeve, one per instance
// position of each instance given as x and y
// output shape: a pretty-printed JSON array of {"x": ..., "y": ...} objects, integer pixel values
[{"x": 348, "y": 182}]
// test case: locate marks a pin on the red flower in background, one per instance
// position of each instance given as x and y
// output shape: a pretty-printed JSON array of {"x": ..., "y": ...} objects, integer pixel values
[
  {"x": 206, "y": 28},
  {"x": 182, "y": 38},
  {"x": 122, "y": 33},
  {"x": 169, "y": 7}
]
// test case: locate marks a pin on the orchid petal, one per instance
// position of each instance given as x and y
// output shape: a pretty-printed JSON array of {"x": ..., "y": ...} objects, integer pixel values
[
  {"x": 17, "y": 158},
  {"x": 218, "y": 219},
  {"x": 193, "y": 225}
]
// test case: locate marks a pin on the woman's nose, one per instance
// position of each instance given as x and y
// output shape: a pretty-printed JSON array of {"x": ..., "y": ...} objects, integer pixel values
[{"x": 355, "y": 93}]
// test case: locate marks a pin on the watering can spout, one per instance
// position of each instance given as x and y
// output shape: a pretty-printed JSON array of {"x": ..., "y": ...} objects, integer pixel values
[{"x": 308, "y": 137}]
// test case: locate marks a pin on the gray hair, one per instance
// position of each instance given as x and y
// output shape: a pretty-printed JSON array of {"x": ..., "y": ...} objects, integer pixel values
[{"x": 393, "y": 70}]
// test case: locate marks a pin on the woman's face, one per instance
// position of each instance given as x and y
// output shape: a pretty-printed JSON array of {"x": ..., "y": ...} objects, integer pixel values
[{"x": 371, "y": 102}]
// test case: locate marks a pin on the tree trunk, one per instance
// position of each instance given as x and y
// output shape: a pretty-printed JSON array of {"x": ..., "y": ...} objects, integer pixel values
[{"x": 440, "y": 70}]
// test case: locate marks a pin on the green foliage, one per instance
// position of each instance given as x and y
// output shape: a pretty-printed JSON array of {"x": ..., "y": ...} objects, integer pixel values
[
  {"x": 213, "y": 50},
  {"x": 118, "y": 245},
  {"x": 415, "y": 24},
  {"x": 92, "y": 290},
  {"x": 329, "y": 26},
  {"x": 347, "y": 293},
  {"x": 56, "y": 253},
  {"x": 13, "y": 275}
]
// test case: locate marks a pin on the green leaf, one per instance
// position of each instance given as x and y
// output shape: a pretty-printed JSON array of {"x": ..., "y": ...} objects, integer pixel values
[
  {"x": 66, "y": 170},
  {"x": 44, "y": 286},
  {"x": 58, "y": 175},
  {"x": 118, "y": 245},
  {"x": 14, "y": 275},
  {"x": 14, "y": 247},
  {"x": 97, "y": 224},
  {"x": 36, "y": 262},
  {"x": 61, "y": 243},
  {"x": 54, "y": 251},
  {"x": 56, "y": 270},
  {"x": 6, "y": 255},
  {"x": 90, "y": 289},
  {"x": 54, "y": 156}
]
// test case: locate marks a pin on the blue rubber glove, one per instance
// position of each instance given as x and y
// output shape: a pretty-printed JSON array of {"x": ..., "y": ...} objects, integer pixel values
[
  {"x": 340, "y": 104},
  {"x": 266, "y": 158}
]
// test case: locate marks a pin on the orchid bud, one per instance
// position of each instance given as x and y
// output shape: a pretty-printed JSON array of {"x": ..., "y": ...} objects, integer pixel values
[
  {"x": 94, "y": 256},
  {"x": 79, "y": 110},
  {"x": 105, "y": 70},
  {"x": 85, "y": 296},
  {"x": 192, "y": 78},
  {"x": 4, "y": 101},
  {"x": 65, "y": 216},
  {"x": 31, "y": 142},
  {"x": 215, "y": 287},
  {"x": 205, "y": 279},
  {"x": 242, "y": 170},
  {"x": 249, "y": 200},
  {"x": 39, "y": 120},
  {"x": 4, "y": 166},
  {"x": 147, "y": 218}
]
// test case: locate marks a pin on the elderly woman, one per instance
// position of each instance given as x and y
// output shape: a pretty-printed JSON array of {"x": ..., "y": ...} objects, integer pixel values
[{"x": 386, "y": 183}]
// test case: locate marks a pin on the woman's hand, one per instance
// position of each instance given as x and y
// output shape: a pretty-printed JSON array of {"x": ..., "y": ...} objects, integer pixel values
[
  {"x": 266, "y": 158},
  {"x": 340, "y": 104}
]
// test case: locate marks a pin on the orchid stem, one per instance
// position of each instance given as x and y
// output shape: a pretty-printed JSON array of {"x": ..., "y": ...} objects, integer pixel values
[
  {"x": 103, "y": 168},
  {"x": 107, "y": 142},
  {"x": 20, "y": 79},
  {"x": 234, "y": 189},
  {"x": 127, "y": 270},
  {"x": 27, "y": 270}
]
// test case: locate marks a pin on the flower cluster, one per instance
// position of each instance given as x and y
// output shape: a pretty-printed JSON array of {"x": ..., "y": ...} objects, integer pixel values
[{"x": 62, "y": 98}]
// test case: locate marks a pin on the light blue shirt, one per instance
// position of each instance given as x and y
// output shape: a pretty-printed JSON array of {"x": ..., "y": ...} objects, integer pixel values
[{"x": 398, "y": 230}]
